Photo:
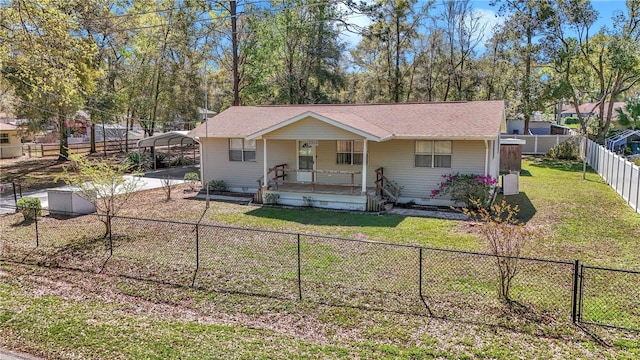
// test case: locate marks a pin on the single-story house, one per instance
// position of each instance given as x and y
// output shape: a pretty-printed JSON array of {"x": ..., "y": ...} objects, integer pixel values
[
  {"x": 536, "y": 127},
  {"x": 349, "y": 156},
  {"x": 590, "y": 109},
  {"x": 10, "y": 142}
]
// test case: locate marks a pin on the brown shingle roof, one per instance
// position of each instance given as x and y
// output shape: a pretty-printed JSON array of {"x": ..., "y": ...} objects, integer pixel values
[
  {"x": 4, "y": 126},
  {"x": 451, "y": 120},
  {"x": 587, "y": 108}
]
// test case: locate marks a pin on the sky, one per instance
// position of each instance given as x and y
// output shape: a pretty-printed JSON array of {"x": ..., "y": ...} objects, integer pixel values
[{"x": 606, "y": 8}]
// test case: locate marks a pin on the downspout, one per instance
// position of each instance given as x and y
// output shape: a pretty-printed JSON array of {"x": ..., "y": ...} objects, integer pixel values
[{"x": 486, "y": 157}]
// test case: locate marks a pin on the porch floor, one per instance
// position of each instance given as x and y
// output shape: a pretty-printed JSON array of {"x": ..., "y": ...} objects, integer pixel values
[{"x": 322, "y": 188}]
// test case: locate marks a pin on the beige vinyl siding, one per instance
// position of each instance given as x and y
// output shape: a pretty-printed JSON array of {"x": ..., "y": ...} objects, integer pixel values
[
  {"x": 396, "y": 157},
  {"x": 326, "y": 160},
  {"x": 13, "y": 148},
  {"x": 242, "y": 176},
  {"x": 310, "y": 129}
]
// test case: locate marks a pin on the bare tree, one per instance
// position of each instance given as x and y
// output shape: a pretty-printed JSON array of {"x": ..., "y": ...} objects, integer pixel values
[{"x": 505, "y": 238}]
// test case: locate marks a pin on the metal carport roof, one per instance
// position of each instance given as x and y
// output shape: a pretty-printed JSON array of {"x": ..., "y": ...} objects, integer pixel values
[{"x": 166, "y": 139}]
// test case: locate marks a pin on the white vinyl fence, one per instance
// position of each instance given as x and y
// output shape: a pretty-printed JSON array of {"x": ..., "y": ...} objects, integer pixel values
[
  {"x": 538, "y": 144},
  {"x": 621, "y": 174}
]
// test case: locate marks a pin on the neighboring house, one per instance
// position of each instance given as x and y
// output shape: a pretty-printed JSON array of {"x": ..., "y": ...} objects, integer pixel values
[
  {"x": 516, "y": 127},
  {"x": 346, "y": 156},
  {"x": 591, "y": 109},
  {"x": 10, "y": 142},
  {"x": 547, "y": 128}
]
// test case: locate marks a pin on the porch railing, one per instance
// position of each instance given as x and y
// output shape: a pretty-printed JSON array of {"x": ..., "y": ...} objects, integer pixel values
[
  {"x": 386, "y": 188},
  {"x": 280, "y": 171},
  {"x": 352, "y": 184}
]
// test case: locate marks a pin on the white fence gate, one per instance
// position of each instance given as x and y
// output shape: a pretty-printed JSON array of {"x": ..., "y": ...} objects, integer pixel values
[{"x": 621, "y": 174}]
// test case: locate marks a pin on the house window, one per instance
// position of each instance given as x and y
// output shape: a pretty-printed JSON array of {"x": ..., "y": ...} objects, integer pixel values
[
  {"x": 4, "y": 138},
  {"x": 349, "y": 152},
  {"x": 242, "y": 150},
  {"x": 435, "y": 154}
]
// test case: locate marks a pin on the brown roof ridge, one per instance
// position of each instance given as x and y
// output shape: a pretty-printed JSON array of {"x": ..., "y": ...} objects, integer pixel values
[{"x": 359, "y": 104}]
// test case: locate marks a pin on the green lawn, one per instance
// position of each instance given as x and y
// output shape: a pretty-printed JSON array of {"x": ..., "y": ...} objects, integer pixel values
[
  {"x": 60, "y": 314},
  {"x": 93, "y": 317},
  {"x": 578, "y": 219},
  {"x": 574, "y": 218}
]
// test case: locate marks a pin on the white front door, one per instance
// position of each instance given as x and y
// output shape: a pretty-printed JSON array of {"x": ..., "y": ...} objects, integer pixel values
[{"x": 306, "y": 160}]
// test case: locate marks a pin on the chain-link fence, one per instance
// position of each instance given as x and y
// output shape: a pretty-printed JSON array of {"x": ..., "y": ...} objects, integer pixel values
[
  {"x": 609, "y": 297},
  {"x": 544, "y": 294}
]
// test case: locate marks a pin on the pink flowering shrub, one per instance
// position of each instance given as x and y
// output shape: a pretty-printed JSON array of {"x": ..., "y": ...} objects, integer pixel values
[{"x": 466, "y": 188}]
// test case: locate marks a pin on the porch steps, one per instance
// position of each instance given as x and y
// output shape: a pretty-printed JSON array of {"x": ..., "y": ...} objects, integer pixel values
[{"x": 377, "y": 203}]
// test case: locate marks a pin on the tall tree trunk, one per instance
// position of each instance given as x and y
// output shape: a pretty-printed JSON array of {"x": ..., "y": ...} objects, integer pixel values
[
  {"x": 93, "y": 138},
  {"x": 396, "y": 88},
  {"x": 64, "y": 142},
  {"x": 527, "y": 85},
  {"x": 234, "y": 46}
]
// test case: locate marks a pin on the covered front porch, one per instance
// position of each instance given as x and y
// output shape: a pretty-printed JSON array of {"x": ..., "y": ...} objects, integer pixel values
[
  {"x": 322, "y": 163},
  {"x": 346, "y": 195}
]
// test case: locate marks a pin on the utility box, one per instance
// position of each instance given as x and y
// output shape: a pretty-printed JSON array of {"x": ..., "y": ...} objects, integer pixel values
[
  {"x": 510, "y": 183},
  {"x": 511, "y": 155},
  {"x": 68, "y": 203}
]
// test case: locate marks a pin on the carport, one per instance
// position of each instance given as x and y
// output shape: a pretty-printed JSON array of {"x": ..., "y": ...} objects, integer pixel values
[{"x": 167, "y": 140}]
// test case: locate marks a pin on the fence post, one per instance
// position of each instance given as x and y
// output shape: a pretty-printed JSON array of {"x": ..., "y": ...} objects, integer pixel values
[
  {"x": 580, "y": 293},
  {"x": 37, "y": 233},
  {"x": 574, "y": 298},
  {"x": 638, "y": 191},
  {"x": 197, "y": 247},
  {"x": 624, "y": 174},
  {"x": 110, "y": 235},
  {"x": 420, "y": 273},
  {"x": 424, "y": 301},
  {"x": 299, "y": 271},
  {"x": 15, "y": 195}
]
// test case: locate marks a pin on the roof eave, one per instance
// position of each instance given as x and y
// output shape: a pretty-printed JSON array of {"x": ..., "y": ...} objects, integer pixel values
[
  {"x": 259, "y": 134},
  {"x": 447, "y": 137}
]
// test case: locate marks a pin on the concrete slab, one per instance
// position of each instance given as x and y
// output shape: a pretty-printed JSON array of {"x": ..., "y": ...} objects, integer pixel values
[
  {"x": 428, "y": 213},
  {"x": 7, "y": 205}
]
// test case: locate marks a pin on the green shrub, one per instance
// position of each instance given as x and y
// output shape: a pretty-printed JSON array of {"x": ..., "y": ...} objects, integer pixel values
[
  {"x": 135, "y": 160},
  {"x": 30, "y": 207},
  {"x": 466, "y": 188},
  {"x": 191, "y": 179},
  {"x": 218, "y": 185},
  {"x": 571, "y": 120},
  {"x": 182, "y": 161},
  {"x": 567, "y": 150},
  {"x": 192, "y": 176}
]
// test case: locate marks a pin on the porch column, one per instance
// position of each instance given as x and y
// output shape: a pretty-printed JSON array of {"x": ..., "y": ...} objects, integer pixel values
[
  {"x": 265, "y": 168},
  {"x": 364, "y": 166}
]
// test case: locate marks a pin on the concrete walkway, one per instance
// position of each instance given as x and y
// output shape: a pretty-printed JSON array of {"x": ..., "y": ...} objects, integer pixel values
[
  {"x": 14, "y": 355},
  {"x": 428, "y": 213},
  {"x": 7, "y": 204}
]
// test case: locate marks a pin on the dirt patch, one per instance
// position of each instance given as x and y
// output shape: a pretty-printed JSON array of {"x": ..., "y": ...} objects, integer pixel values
[{"x": 40, "y": 173}]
